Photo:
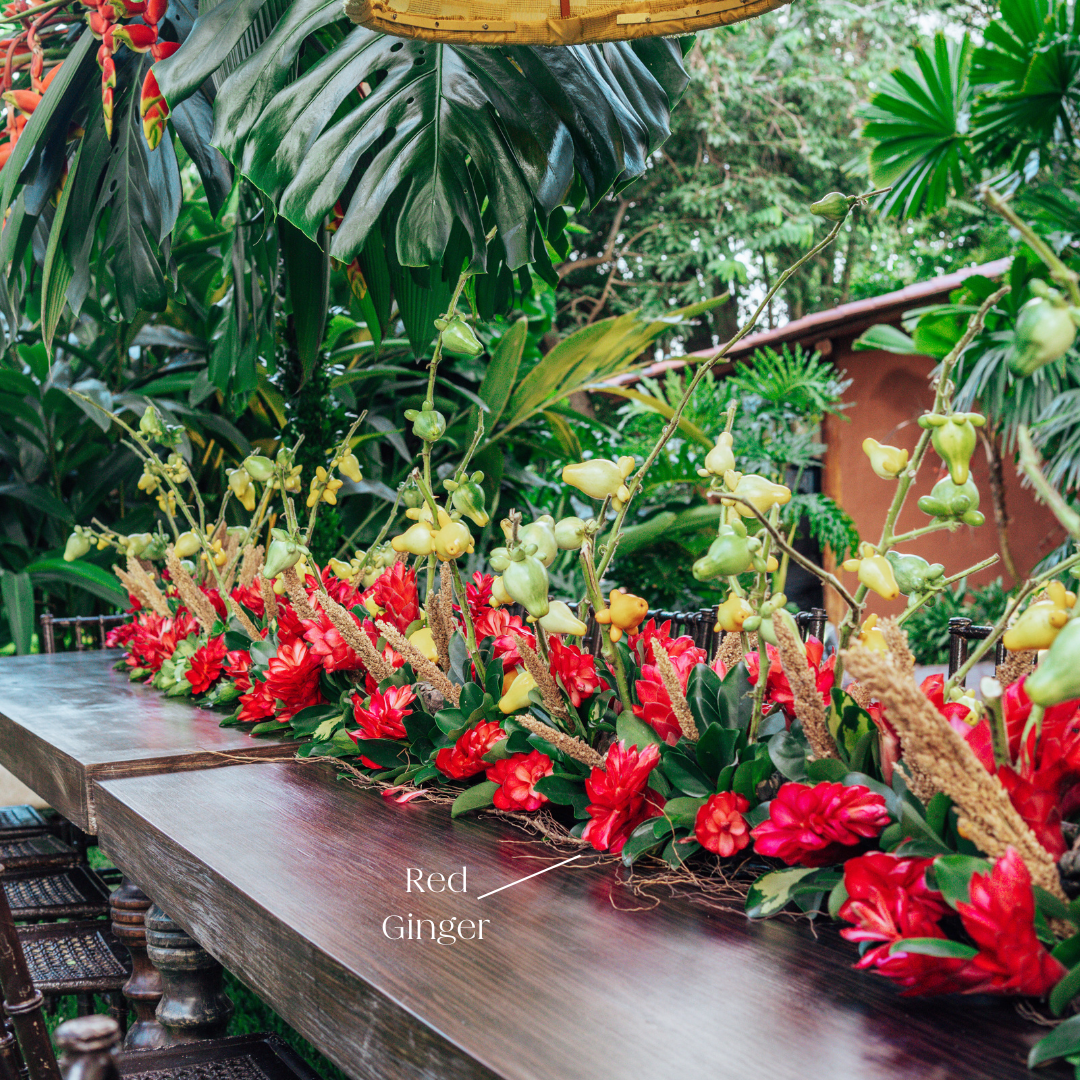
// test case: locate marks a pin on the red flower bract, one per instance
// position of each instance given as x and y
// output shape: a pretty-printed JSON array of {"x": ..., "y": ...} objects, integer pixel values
[
  {"x": 205, "y": 665},
  {"x": 478, "y": 594},
  {"x": 292, "y": 679},
  {"x": 237, "y": 666},
  {"x": 329, "y": 646},
  {"x": 382, "y": 717},
  {"x": 777, "y": 687},
  {"x": 618, "y": 799},
  {"x": 720, "y": 826},
  {"x": 505, "y": 629},
  {"x": 395, "y": 592},
  {"x": 466, "y": 757},
  {"x": 574, "y": 670},
  {"x": 257, "y": 704},
  {"x": 517, "y": 776},
  {"x": 250, "y": 596},
  {"x": 814, "y": 826}
]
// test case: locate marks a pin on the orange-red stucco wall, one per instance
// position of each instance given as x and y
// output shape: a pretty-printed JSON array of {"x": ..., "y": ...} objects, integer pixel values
[{"x": 888, "y": 393}]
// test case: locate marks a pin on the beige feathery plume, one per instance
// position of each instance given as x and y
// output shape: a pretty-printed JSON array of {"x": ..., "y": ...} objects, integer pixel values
[
  {"x": 860, "y": 695},
  {"x": 298, "y": 594},
  {"x": 401, "y": 556},
  {"x": 150, "y": 594},
  {"x": 1015, "y": 666},
  {"x": 896, "y": 639},
  {"x": 250, "y": 628},
  {"x": 679, "y": 705},
  {"x": 578, "y": 749},
  {"x": 986, "y": 816},
  {"x": 808, "y": 705},
  {"x": 231, "y": 549},
  {"x": 356, "y": 638},
  {"x": 266, "y": 590},
  {"x": 251, "y": 565},
  {"x": 440, "y": 611},
  {"x": 195, "y": 600},
  {"x": 134, "y": 590},
  {"x": 730, "y": 650},
  {"x": 418, "y": 661},
  {"x": 545, "y": 682}
]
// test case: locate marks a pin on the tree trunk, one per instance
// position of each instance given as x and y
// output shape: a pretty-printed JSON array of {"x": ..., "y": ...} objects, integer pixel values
[{"x": 992, "y": 446}]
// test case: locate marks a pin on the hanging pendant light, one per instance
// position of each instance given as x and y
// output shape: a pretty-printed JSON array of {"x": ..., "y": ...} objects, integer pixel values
[{"x": 548, "y": 22}]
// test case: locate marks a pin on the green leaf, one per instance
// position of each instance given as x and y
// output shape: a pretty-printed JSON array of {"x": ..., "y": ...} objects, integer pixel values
[
  {"x": 952, "y": 876},
  {"x": 307, "y": 271},
  {"x": 1052, "y": 906},
  {"x": 716, "y": 748},
  {"x": 685, "y": 776},
  {"x": 501, "y": 375},
  {"x": 1064, "y": 1040},
  {"x": 384, "y": 752},
  {"x": 917, "y": 122},
  {"x": 825, "y": 770},
  {"x": 704, "y": 695},
  {"x": 57, "y": 271},
  {"x": 774, "y": 891},
  {"x": 88, "y": 576},
  {"x": 682, "y": 812},
  {"x": 643, "y": 839},
  {"x": 635, "y": 732},
  {"x": 928, "y": 946},
  {"x": 665, "y": 410},
  {"x": 17, "y": 593},
  {"x": 1065, "y": 991},
  {"x": 885, "y": 338},
  {"x": 474, "y": 798},
  {"x": 1068, "y": 951},
  {"x": 39, "y": 497},
  {"x": 789, "y": 751},
  {"x": 563, "y": 792}
]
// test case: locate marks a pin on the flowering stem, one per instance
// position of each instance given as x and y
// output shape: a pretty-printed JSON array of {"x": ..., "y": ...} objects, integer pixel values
[
  {"x": 761, "y": 587},
  {"x": 382, "y": 533},
  {"x": 703, "y": 369},
  {"x": 914, "y": 534},
  {"x": 940, "y": 585},
  {"x": 607, "y": 646},
  {"x": 466, "y": 614}
]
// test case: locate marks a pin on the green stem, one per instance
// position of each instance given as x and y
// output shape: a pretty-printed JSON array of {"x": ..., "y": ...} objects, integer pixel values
[
  {"x": 703, "y": 369},
  {"x": 761, "y": 586},
  {"x": 607, "y": 646},
  {"x": 914, "y": 534},
  {"x": 470, "y": 632},
  {"x": 1031, "y": 463},
  {"x": 939, "y": 586}
]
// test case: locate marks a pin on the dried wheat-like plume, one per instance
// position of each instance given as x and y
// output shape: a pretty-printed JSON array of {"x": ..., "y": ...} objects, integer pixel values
[
  {"x": 418, "y": 661},
  {"x": 298, "y": 594},
  {"x": 230, "y": 548},
  {"x": 250, "y": 628},
  {"x": 578, "y": 749},
  {"x": 808, "y": 706},
  {"x": 440, "y": 611},
  {"x": 986, "y": 816},
  {"x": 1015, "y": 666},
  {"x": 266, "y": 589},
  {"x": 193, "y": 597},
  {"x": 896, "y": 639},
  {"x": 149, "y": 587},
  {"x": 355, "y": 637},
  {"x": 860, "y": 695},
  {"x": 679, "y": 705},
  {"x": 730, "y": 650},
  {"x": 251, "y": 565},
  {"x": 401, "y": 556},
  {"x": 545, "y": 682}
]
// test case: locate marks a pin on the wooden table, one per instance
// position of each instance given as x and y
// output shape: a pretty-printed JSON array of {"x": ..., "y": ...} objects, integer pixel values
[
  {"x": 68, "y": 719},
  {"x": 286, "y": 877}
]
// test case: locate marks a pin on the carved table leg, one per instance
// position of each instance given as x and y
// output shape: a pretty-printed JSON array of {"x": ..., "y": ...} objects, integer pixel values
[
  {"x": 193, "y": 1005},
  {"x": 129, "y": 905}
]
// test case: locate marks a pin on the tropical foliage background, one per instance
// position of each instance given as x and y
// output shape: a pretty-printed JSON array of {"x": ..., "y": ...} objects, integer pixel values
[{"x": 258, "y": 235}]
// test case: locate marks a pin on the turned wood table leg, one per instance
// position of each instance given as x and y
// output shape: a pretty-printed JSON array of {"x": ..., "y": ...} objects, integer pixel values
[
  {"x": 128, "y": 905},
  {"x": 194, "y": 1005}
]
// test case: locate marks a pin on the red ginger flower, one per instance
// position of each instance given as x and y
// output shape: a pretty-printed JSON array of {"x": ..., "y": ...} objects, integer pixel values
[
  {"x": 655, "y": 704},
  {"x": 517, "y": 776},
  {"x": 251, "y": 597},
  {"x": 395, "y": 592},
  {"x": 120, "y": 635},
  {"x": 682, "y": 650},
  {"x": 289, "y": 625},
  {"x": 211, "y": 593},
  {"x": 1001, "y": 921},
  {"x": 329, "y": 646},
  {"x": 720, "y": 826},
  {"x": 888, "y": 899},
  {"x": 145, "y": 648},
  {"x": 574, "y": 670},
  {"x": 382, "y": 717},
  {"x": 618, "y": 799},
  {"x": 478, "y": 594},
  {"x": 341, "y": 591},
  {"x": 257, "y": 704},
  {"x": 293, "y": 679},
  {"x": 813, "y": 826},
  {"x": 205, "y": 665},
  {"x": 237, "y": 667},
  {"x": 466, "y": 757},
  {"x": 505, "y": 629},
  {"x": 777, "y": 687}
]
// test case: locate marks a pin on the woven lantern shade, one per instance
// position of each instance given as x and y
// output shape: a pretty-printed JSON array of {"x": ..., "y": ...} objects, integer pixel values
[{"x": 547, "y": 22}]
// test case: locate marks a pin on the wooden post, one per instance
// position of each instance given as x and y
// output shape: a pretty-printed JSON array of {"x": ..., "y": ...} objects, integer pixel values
[
  {"x": 128, "y": 905},
  {"x": 193, "y": 1005},
  {"x": 88, "y": 1044}
]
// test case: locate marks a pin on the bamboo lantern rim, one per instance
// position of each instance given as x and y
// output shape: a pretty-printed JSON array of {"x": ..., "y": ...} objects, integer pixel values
[{"x": 548, "y": 22}]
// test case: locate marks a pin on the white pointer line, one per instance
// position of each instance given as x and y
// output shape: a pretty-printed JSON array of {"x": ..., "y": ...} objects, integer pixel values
[{"x": 554, "y": 866}]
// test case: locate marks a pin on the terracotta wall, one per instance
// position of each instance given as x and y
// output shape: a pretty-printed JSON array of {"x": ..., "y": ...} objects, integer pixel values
[{"x": 889, "y": 393}]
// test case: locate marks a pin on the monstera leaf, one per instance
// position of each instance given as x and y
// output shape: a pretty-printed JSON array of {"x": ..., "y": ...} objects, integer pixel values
[{"x": 419, "y": 137}]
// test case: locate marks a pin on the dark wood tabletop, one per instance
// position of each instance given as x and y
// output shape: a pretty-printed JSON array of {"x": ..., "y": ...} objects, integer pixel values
[
  {"x": 68, "y": 718},
  {"x": 287, "y": 877}
]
